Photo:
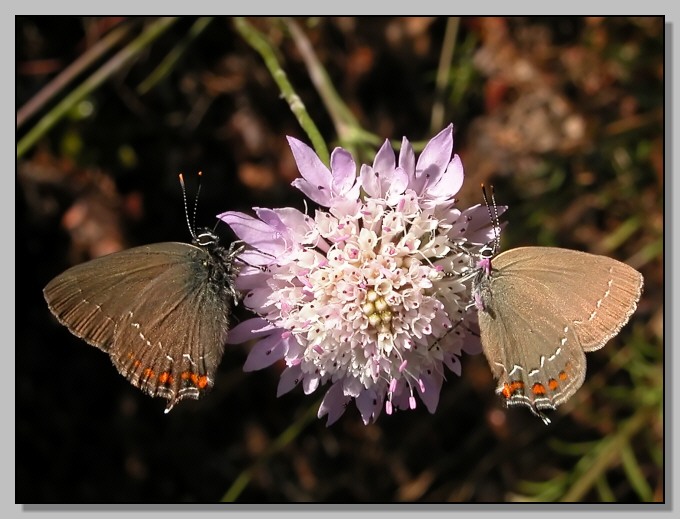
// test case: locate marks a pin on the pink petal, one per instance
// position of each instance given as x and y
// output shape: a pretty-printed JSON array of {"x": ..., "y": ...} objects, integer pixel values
[
  {"x": 297, "y": 222},
  {"x": 344, "y": 171},
  {"x": 475, "y": 224},
  {"x": 472, "y": 345},
  {"x": 432, "y": 383},
  {"x": 384, "y": 159},
  {"x": 450, "y": 182},
  {"x": 453, "y": 363},
  {"x": 334, "y": 404},
  {"x": 290, "y": 377},
  {"x": 316, "y": 179},
  {"x": 271, "y": 219},
  {"x": 397, "y": 182},
  {"x": 316, "y": 192},
  {"x": 370, "y": 182},
  {"x": 369, "y": 405},
  {"x": 250, "y": 329},
  {"x": 310, "y": 383},
  {"x": 407, "y": 159},
  {"x": 437, "y": 152},
  {"x": 292, "y": 225},
  {"x": 254, "y": 232},
  {"x": 257, "y": 299},
  {"x": 265, "y": 353},
  {"x": 250, "y": 278}
]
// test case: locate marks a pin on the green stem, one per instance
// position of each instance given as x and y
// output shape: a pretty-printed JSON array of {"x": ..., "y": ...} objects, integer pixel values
[
  {"x": 166, "y": 66},
  {"x": 349, "y": 130},
  {"x": 69, "y": 73},
  {"x": 260, "y": 43},
  {"x": 444, "y": 73},
  {"x": 607, "y": 455},
  {"x": 139, "y": 44},
  {"x": 286, "y": 437}
]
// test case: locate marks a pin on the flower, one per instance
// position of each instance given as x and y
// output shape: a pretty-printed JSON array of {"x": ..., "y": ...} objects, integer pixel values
[{"x": 368, "y": 295}]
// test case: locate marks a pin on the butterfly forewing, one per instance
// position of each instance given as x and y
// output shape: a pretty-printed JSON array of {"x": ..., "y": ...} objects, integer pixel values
[
  {"x": 595, "y": 294},
  {"x": 90, "y": 298}
]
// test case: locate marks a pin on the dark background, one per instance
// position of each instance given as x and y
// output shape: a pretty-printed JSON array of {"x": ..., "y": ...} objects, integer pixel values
[{"x": 564, "y": 116}]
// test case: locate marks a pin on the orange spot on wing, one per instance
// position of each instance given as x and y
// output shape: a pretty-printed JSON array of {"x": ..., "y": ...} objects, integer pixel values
[
  {"x": 189, "y": 377},
  {"x": 165, "y": 378},
  {"x": 553, "y": 384},
  {"x": 511, "y": 388},
  {"x": 538, "y": 389}
]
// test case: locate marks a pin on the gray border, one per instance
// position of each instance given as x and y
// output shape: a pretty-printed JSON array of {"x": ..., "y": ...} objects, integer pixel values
[
  {"x": 424, "y": 7},
  {"x": 669, "y": 254}
]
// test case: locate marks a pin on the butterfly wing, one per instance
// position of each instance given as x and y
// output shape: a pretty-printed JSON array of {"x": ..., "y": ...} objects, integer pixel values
[
  {"x": 158, "y": 310},
  {"x": 90, "y": 298},
  {"x": 537, "y": 363},
  {"x": 174, "y": 353},
  {"x": 596, "y": 293},
  {"x": 545, "y": 306}
]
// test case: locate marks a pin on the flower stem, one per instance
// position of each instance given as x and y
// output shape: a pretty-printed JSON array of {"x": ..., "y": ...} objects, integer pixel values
[
  {"x": 260, "y": 43},
  {"x": 349, "y": 130},
  {"x": 444, "y": 72}
]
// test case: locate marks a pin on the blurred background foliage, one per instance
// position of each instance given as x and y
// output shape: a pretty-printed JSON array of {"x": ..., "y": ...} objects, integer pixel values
[{"x": 564, "y": 116}]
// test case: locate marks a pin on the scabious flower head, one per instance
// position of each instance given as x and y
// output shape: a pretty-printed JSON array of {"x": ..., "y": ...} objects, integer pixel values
[{"x": 365, "y": 296}]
